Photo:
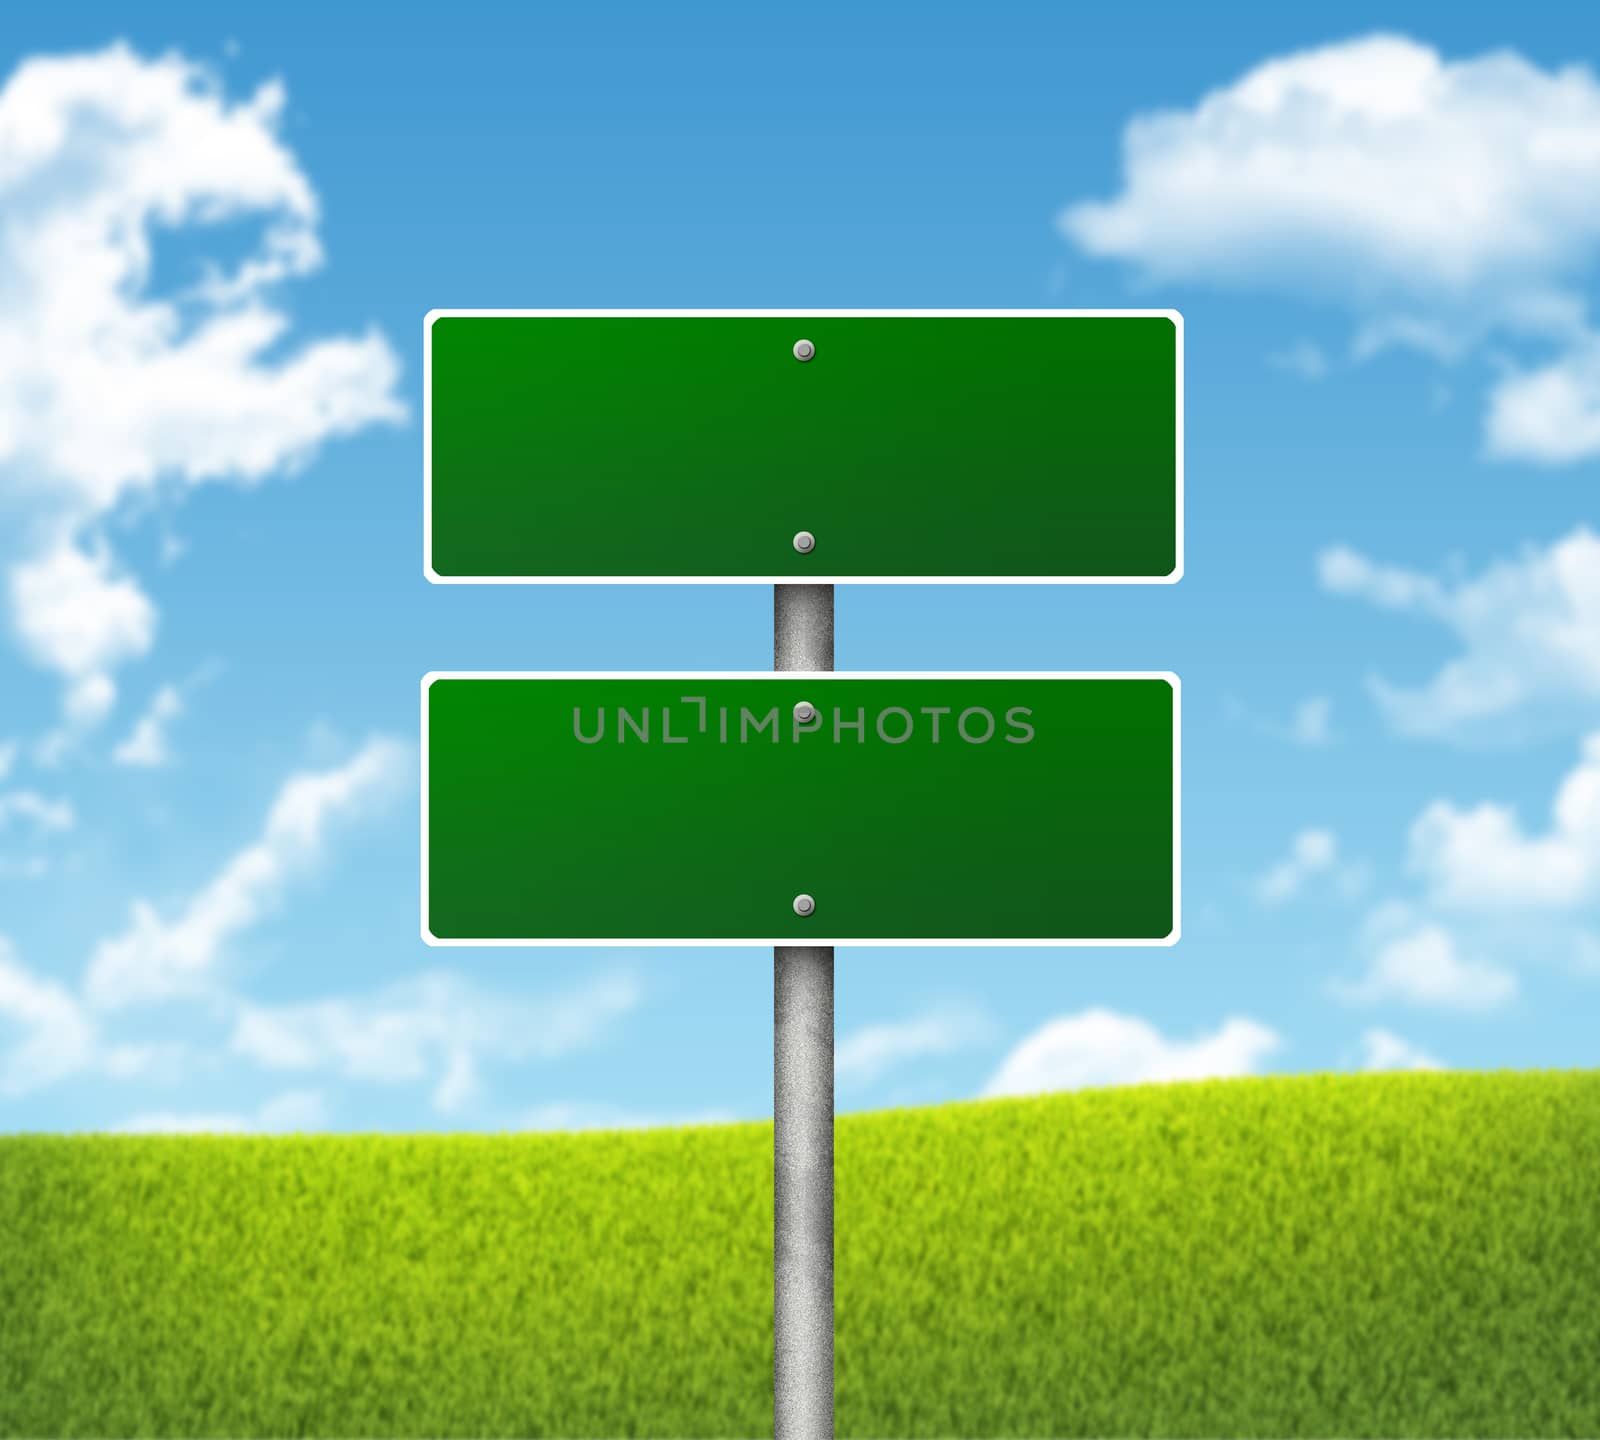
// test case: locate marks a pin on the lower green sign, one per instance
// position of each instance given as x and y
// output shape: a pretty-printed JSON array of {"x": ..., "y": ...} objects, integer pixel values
[{"x": 800, "y": 809}]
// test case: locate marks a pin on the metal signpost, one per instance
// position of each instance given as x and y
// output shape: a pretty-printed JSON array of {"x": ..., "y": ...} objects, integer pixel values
[
  {"x": 802, "y": 449},
  {"x": 802, "y": 1104}
]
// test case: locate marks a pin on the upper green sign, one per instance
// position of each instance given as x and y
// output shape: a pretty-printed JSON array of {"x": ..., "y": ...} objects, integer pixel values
[
  {"x": 821, "y": 446},
  {"x": 800, "y": 809}
]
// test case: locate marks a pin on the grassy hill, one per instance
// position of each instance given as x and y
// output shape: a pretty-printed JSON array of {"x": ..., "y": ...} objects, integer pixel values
[{"x": 1356, "y": 1255}]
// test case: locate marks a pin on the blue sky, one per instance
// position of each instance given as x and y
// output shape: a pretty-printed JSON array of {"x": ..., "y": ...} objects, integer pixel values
[{"x": 1382, "y": 233}]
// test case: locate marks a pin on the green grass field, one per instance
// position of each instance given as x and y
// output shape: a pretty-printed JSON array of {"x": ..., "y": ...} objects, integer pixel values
[{"x": 1396, "y": 1255}]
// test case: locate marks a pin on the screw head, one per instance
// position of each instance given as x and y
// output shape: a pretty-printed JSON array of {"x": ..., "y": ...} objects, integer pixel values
[
  {"x": 804, "y": 349},
  {"x": 805, "y": 542},
  {"x": 804, "y": 904},
  {"x": 805, "y": 712}
]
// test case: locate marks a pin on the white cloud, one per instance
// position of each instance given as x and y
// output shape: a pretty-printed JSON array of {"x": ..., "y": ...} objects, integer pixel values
[
  {"x": 47, "y": 1035},
  {"x": 1528, "y": 895},
  {"x": 1436, "y": 199},
  {"x": 1530, "y": 628},
  {"x": 109, "y": 390},
  {"x": 1549, "y": 414},
  {"x": 1304, "y": 358},
  {"x": 1343, "y": 571},
  {"x": 1583, "y": 953},
  {"x": 1312, "y": 723},
  {"x": 460, "y": 1083},
  {"x": 89, "y": 700},
  {"x": 295, "y": 1110},
  {"x": 1311, "y": 852},
  {"x": 1417, "y": 961},
  {"x": 156, "y": 958},
  {"x": 597, "y": 1115},
  {"x": 36, "y": 816},
  {"x": 8, "y": 757},
  {"x": 866, "y": 1054},
  {"x": 434, "y": 1027},
  {"x": 1385, "y": 1050},
  {"x": 173, "y": 1122},
  {"x": 1343, "y": 168},
  {"x": 53, "y": 1038},
  {"x": 146, "y": 745},
  {"x": 46, "y": 815},
  {"x": 74, "y": 614},
  {"x": 165, "y": 1061},
  {"x": 1100, "y": 1047},
  {"x": 1481, "y": 859}
]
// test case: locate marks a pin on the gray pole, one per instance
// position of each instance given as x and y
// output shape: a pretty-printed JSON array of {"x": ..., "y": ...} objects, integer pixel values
[{"x": 802, "y": 1108}]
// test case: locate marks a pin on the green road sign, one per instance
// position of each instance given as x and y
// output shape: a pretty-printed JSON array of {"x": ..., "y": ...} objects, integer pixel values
[
  {"x": 707, "y": 809},
  {"x": 803, "y": 446}
]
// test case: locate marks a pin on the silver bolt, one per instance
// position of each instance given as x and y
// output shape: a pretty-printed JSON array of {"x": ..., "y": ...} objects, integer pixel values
[
  {"x": 804, "y": 349},
  {"x": 805, "y": 542},
  {"x": 804, "y": 904},
  {"x": 805, "y": 712}
]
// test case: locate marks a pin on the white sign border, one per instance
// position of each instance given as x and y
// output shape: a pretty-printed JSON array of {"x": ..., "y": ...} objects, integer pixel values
[
  {"x": 805, "y": 937},
  {"x": 797, "y": 577}
]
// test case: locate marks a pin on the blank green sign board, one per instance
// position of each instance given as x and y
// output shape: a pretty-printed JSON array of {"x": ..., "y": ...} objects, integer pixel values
[
  {"x": 1033, "y": 445},
  {"x": 695, "y": 808}
]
